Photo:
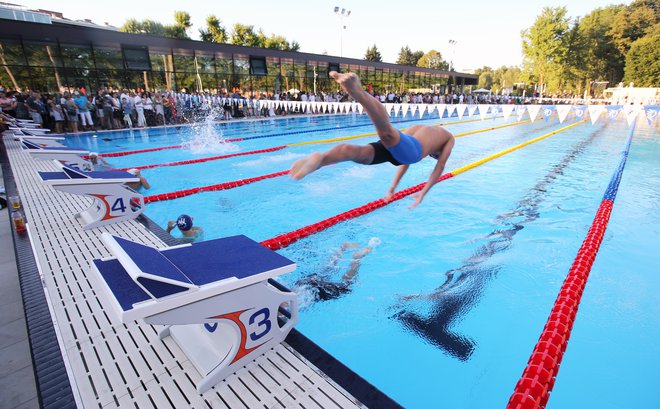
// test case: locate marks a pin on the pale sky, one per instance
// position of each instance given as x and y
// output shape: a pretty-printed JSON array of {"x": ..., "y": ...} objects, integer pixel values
[{"x": 487, "y": 32}]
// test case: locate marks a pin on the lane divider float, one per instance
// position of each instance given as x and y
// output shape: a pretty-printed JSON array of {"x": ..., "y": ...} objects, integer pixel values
[
  {"x": 538, "y": 378},
  {"x": 286, "y": 239},
  {"x": 230, "y": 185},
  {"x": 163, "y": 148}
]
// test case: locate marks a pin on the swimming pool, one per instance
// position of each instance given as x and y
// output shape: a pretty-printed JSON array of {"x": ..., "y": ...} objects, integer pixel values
[{"x": 447, "y": 308}]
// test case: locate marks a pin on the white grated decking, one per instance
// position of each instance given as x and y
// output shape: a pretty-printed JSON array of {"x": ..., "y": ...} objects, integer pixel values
[{"x": 116, "y": 365}]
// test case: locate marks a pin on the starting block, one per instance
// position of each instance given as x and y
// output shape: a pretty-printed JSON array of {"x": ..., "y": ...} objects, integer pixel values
[
  {"x": 41, "y": 141},
  {"x": 217, "y": 298},
  {"x": 68, "y": 156},
  {"x": 113, "y": 200}
]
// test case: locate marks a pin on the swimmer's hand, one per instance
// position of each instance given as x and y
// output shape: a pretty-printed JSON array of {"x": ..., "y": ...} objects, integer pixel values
[
  {"x": 388, "y": 196},
  {"x": 418, "y": 199},
  {"x": 170, "y": 226}
]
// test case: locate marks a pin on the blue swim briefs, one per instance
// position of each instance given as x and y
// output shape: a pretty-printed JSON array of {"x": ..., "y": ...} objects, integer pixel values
[{"x": 407, "y": 151}]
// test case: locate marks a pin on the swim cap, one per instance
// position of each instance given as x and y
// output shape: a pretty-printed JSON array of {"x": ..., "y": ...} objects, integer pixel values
[
  {"x": 373, "y": 242},
  {"x": 184, "y": 222},
  {"x": 93, "y": 154},
  {"x": 133, "y": 171}
]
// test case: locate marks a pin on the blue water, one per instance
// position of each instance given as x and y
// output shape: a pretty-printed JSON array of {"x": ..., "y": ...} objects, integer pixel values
[{"x": 446, "y": 310}]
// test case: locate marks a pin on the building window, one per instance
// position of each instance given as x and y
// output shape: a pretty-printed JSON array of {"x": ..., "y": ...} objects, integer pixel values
[
  {"x": 258, "y": 66},
  {"x": 137, "y": 58}
]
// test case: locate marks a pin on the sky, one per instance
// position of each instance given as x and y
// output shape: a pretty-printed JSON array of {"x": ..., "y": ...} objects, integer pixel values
[{"x": 485, "y": 32}]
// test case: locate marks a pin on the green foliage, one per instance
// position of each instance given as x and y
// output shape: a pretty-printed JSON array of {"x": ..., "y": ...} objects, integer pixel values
[
  {"x": 407, "y": 57},
  {"x": 177, "y": 30},
  {"x": 245, "y": 35},
  {"x": 545, "y": 44},
  {"x": 433, "y": 59},
  {"x": 373, "y": 54},
  {"x": 633, "y": 22},
  {"x": 602, "y": 59},
  {"x": 214, "y": 31},
  {"x": 643, "y": 61}
]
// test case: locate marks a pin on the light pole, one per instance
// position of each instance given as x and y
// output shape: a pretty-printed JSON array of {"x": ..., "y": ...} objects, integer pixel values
[
  {"x": 452, "y": 45},
  {"x": 342, "y": 13}
]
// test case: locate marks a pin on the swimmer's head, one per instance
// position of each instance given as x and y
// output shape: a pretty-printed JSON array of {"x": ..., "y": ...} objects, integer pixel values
[
  {"x": 93, "y": 154},
  {"x": 184, "y": 222},
  {"x": 133, "y": 171},
  {"x": 373, "y": 242}
]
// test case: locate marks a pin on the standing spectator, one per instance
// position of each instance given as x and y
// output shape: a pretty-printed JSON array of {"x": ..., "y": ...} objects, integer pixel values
[
  {"x": 127, "y": 109},
  {"x": 158, "y": 106},
  {"x": 139, "y": 108},
  {"x": 108, "y": 112},
  {"x": 71, "y": 112},
  {"x": 58, "y": 116},
  {"x": 83, "y": 110}
]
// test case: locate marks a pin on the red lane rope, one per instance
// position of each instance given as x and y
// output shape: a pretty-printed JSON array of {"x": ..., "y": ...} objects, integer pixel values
[
  {"x": 211, "y": 188},
  {"x": 162, "y": 148},
  {"x": 286, "y": 239},
  {"x": 533, "y": 389},
  {"x": 211, "y": 158}
]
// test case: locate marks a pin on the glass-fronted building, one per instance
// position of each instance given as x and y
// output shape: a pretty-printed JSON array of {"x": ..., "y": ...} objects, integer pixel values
[{"x": 53, "y": 57}]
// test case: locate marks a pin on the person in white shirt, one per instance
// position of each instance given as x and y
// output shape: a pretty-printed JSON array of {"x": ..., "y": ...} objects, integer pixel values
[{"x": 139, "y": 108}]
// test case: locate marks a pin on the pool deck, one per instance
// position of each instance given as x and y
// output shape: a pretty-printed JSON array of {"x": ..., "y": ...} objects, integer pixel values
[{"x": 87, "y": 358}]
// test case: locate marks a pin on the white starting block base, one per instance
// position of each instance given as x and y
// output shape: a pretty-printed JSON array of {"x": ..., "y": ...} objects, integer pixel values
[
  {"x": 216, "y": 298},
  {"x": 113, "y": 201}
]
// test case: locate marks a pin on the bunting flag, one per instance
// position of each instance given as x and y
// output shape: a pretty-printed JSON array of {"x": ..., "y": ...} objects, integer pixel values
[
  {"x": 388, "y": 108},
  {"x": 483, "y": 110},
  {"x": 441, "y": 109},
  {"x": 397, "y": 109},
  {"x": 547, "y": 111},
  {"x": 335, "y": 107},
  {"x": 404, "y": 109},
  {"x": 430, "y": 109},
  {"x": 507, "y": 110},
  {"x": 533, "y": 111},
  {"x": 520, "y": 111},
  {"x": 494, "y": 110},
  {"x": 450, "y": 110},
  {"x": 562, "y": 112},
  {"x": 613, "y": 111},
  {"x": 471, "y": 109},
  {"x": 460, "y": 110},
  {"x": 651, "y": 113},
  {"x": 413, "y": 110},
  {"x": 360, "y": 108},
  {"x": 631, "y": 112},
  {"x": 579, "y": 111},
  {"x": 595, "y": 111}
]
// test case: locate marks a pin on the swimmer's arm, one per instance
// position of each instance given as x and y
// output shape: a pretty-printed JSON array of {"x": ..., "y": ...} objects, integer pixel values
[
  {"x": 144, "y": 182},
  {"x": 170, "y": 226},
  {"x": 400, "y": 171},
  {"x": 436, "y": 173}
]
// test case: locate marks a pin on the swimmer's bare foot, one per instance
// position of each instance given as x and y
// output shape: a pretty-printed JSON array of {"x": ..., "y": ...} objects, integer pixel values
[{"x": 305, "y": 166}]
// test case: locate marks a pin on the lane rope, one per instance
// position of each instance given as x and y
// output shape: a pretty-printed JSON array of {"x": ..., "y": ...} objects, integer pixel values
[
  {"x": 534, "y": 387},
  {"x": 286, "y": 239},
  {"x": 277, "y": 148},
  {"x": 230, "y": 185},
  {"x": 231, "y": 140}
]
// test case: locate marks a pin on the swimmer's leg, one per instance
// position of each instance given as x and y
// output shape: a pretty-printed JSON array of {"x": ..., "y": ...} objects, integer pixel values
[
  {"x": 355, "y": 265},
  {"x": 340, "y": 153}
]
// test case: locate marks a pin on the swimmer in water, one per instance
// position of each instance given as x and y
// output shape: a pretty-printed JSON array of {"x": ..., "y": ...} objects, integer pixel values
[
  {"x": 326, "y": 289},
  {"x": 185, "y": 225},
  {"x": 142, "y": 183},
  {"x": 398, "y": 148}
]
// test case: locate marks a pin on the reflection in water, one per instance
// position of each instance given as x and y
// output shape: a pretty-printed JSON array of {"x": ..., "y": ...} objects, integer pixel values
[{"x": 464, "y": 285}]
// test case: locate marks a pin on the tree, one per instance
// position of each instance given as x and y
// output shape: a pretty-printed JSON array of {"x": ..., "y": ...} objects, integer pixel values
[
  {"x": 602, "y": 59},
  {"x": 407, "y": 57},
  {"x": 214, "y": 31},
  {"x": 245, "y": 35},
  {"x": 433, "y": 59},
  {"x": 634, "y": 22},
  {"x": 544, "y": 45},
  {"x": 177, "y": 30},
  {"x": 643, "y": 61},
  {"x": 277, "y": 42},
  {"x": 373, "y": 54}
]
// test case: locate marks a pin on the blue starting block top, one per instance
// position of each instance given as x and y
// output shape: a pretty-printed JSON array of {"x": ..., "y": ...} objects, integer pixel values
[
  {"x": 32, "y": 145},
  {"x": 69, "y": 173},
  {"x": 196, "y": 266}
]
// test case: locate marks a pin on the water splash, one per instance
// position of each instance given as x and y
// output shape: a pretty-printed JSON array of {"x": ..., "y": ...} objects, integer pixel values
[{"x": 206, "y": 138}]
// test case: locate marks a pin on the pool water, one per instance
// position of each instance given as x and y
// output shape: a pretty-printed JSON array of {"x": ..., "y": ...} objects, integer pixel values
[{"x": 446, "y": 309}]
